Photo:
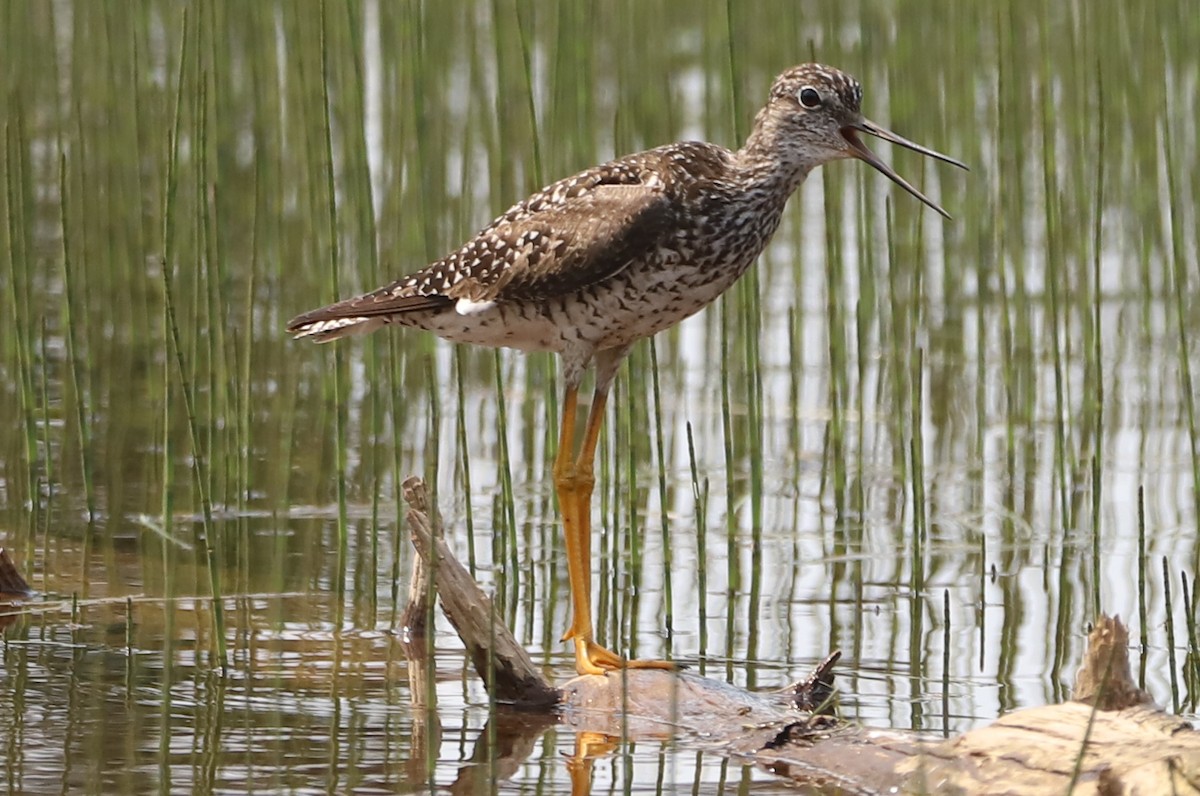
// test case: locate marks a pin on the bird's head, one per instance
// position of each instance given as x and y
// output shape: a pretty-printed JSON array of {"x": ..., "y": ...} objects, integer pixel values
[{"x": 816, "y": 113}]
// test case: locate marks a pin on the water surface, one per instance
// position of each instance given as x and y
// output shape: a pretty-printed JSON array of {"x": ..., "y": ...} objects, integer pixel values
[{"x": 920, "y": 442}]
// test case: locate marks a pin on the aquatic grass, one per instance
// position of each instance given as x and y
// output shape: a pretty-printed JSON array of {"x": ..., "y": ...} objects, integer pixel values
[
  {"x": 461, "y": 376},
  {"x": 82, "y": 397},
  {"x": 612, "y": 472},
  {"x": 245, "y": 358},
  {"x": 795, "y": 343},
  {"x": 362, "y": 215},
  {"x": 1142, "y": 560},
  {"x": 48, "y": 471},
  {"x": 700, "y": 501},
  {"x": 18, "y": 294},
  {"x": 1170, "y": 621},
  {"x": 1094, "y": 390},
  {"x": 946, "y": 647},
  {"x": 899, "y": 302},
  {"x": 1177, "y": 282},
  {"x": 663, "y": 498},
  {"x": 208, "y": 535},
  {"x": 334, "y": 254},
  {"x": 858, "y": 493},
  {"x": 747, "y": 294},
  {"x": 732, "y": 556},
  {"x": 836, "y": 342},
  {"x": 530, "y": 99},
  {"x": 176, "y": 353},
  {"x": 627, "y": 419},
  {"x": 464, "y": 458},
  {"x": 210, "y": 321},
  {"x": 917, "y": 548},
  {"x": 1056, "y": 323},
  {"x": 506, "y": 517},
  {"x": 1191, "y": 663}
]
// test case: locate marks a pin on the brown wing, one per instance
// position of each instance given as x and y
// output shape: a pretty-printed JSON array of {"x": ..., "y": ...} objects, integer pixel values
[
  {"x": 574, "y": 233},
  {"x": 566, "y": 247}
]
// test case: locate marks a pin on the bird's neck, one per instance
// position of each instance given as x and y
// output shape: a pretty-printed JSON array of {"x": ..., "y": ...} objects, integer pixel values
[{"x": 772, "y": 160}]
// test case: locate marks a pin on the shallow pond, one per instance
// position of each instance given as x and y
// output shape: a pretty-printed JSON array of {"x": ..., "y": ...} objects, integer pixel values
[{"x": 938, "y": 446}]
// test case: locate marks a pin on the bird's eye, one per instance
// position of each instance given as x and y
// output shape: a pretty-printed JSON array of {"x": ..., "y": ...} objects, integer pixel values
[{"x": 810, "y": 98}]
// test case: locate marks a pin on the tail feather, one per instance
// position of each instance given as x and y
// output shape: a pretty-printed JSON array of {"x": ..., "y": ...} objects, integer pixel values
[
  {"x": 324, "y": 331},
  {"x": 360, "y": 315}
]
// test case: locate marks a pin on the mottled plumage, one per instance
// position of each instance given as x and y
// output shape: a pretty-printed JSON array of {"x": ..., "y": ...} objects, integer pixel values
[
  {"x": 592, "y": 263},
  {"x": 596, "y": 261}
]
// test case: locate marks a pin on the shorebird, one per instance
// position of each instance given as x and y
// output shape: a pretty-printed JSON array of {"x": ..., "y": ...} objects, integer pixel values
[{"x": 591, "y": 264}]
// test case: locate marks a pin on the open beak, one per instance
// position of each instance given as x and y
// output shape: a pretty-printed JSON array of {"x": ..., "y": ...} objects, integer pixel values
[{"x": 859, "y": 150}]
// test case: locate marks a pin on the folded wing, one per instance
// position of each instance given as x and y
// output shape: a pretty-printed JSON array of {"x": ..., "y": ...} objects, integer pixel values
[{"x": 574, "y": 234}]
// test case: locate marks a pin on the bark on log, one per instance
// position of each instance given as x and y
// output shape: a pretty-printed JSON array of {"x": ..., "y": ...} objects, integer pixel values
[
  {"x": 500, "y": 661},
  {"x": 1118, "y": 744},
  {"x": 416, "y": 639},
  {"x": 1109, "y": 741}
]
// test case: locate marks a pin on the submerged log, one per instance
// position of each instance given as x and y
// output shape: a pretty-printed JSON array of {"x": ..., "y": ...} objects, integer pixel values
[{"x": 1108, "y": 740}]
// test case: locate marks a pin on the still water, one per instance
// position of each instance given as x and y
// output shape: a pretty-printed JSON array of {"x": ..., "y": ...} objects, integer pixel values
[{"x": 923, "y": 443}]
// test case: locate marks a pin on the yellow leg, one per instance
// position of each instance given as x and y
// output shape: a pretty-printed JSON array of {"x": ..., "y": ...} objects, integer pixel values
[
  {"x": 567, "y": 485},
  {"x": 575, "y": 482}
]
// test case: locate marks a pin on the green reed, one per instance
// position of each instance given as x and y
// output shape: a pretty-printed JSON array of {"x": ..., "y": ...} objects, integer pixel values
[
  {"x": 508, "y": 517},
  {"x": 75, "y": 353},
  {"x": 1096, "y": 387},
  {"x": 334, "y": 250},
  {"x": 836, "y": 339},
  {"x": 1142, "y": 559},
  {"x": 947, "y": 646},
  {"x": 48, "y": 471},
  {"x": 199, "y": 467},
  {"x": 898, "y": 318},
  {"x": 363, "y": 221},
  {"x": 732, "y": 553},
  {"x": 634, "y": 417},
  {"x": 700, "y": 500},
  {"x": 530, "y": 102},
  {"x": 1170, "y": 621},
  {"x": 1191, "y": 663},
  {"x": 17, "y": 280},
  {"x": 1179, "y": 288},
  {"x": 663, "y": 499},
  {"x": 919, "y": 540}
]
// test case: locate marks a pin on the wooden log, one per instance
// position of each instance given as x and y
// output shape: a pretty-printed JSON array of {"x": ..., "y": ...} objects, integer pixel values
[
  {"x": 1109, "y": 740},
  {"x": 499, "y": 660},
  {"x": 1118, "y": 744},
  {"x": 416, "y": 640}
]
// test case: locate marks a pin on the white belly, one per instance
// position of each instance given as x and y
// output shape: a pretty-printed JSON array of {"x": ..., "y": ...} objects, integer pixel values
[{"x": 613, "y": 314}]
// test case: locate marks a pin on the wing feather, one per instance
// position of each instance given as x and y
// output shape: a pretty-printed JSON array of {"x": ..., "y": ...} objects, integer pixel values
[{"x": 573, "y": 234}]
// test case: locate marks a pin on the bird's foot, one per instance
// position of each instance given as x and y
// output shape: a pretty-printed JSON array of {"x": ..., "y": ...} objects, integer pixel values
[{"x": 591, "y": 658}]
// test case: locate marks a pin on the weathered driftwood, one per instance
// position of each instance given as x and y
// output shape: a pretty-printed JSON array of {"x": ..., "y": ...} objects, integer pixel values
[
  {"x": 502, "y": 663},
  {"x": 417, "y": 643},
  {"x": 1110, "y": 740}
]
